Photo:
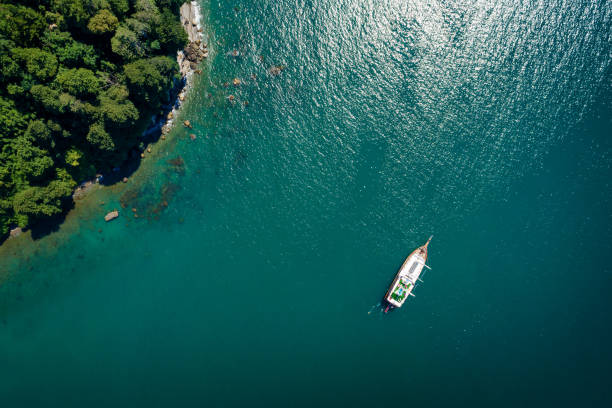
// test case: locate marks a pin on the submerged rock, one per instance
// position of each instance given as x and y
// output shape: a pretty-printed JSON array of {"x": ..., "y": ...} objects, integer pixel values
[
  {"x": 277, "y": 69},
  {"x": 129, "y": 198}
]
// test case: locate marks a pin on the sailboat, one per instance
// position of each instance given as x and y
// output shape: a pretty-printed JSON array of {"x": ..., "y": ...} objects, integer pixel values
[{"x": 406, "y": 277}]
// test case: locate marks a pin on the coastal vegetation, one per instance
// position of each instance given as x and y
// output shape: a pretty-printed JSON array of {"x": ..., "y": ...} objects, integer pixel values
[{"x": 75, "y": 77}]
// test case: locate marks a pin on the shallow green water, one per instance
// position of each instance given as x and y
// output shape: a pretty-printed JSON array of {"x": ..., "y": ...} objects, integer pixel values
[{"x": 486, "y": 124}]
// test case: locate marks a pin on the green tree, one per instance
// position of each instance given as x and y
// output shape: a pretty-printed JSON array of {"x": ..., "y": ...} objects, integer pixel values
[
  {"x": 5, "y": 216},
  {"x": 74, "y": 11},
  {"x": 169, "y": 32},
  {"x": 127, "y": 44},
  {"x": 149, "y": 79},
  {"x": 118, "y": 111},
  {"x": 120, "y": 7},
  {"x": 72, "y": 157},
  {"x": 104, "y": 22},
  {"x": 13, "y": 121},
  {"x": 173, "y": 5},
  {"x": 99, "y": 137},
  {"x": 21, "y": 24},
  {"x": 80, "y": 82},
  {"x": 9, "y": 68},
  {"x": 35, "y": 202},
  {"x": 27, "y": 161},
  {"x": 146, "y": 7},
  {"x": 52, "y": 100},
  {"x": 68, "y": 51},
  {"x": 40, "y": 64},
  {"x": 76, "y": 54},
  {"x": 39, "y": 132}
]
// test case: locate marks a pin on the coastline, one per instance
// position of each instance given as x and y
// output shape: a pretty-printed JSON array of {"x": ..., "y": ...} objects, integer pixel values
[{"x": 188, "y": 60}]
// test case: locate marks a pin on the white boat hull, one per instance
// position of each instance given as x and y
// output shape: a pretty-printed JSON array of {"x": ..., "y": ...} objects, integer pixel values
[{"x": 407, "y": 276}]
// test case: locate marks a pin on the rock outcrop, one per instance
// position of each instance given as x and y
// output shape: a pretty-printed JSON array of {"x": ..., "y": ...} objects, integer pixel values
[
  {"x": 196, "y": 50},
  {"x": 111, "y": 216},
  {"x": 190, "y": 19}
]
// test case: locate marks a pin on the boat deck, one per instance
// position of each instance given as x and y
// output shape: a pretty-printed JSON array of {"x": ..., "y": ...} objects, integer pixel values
[{"x": 406, "y": 278}]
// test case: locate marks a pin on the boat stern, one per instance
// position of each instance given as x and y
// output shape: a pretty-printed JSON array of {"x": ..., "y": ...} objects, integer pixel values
[{"x": 392, "y": 302}]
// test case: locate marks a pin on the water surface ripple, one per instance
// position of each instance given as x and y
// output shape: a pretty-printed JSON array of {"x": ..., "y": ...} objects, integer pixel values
[{"x": 262, "y": 248}]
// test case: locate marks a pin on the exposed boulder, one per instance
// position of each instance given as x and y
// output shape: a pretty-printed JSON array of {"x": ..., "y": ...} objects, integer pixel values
[
  {"x": 193, "y": 52},
  {"x": 111, "y": 216},
  {"x": 15, "y": 232}
]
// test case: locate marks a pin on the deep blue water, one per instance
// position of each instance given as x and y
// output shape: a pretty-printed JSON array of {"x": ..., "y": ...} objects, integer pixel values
[{"x": 484, "y": 123}]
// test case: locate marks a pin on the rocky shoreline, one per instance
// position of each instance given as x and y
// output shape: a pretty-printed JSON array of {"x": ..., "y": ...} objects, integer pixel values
[{"x": 188, "y": 61}]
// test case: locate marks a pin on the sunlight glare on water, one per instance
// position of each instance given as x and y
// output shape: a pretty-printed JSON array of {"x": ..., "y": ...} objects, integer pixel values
[{"x": 484, "y": 123}]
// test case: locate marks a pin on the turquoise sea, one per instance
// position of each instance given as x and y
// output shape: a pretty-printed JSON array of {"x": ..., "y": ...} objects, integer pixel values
[{"x": 254, "y": 272}]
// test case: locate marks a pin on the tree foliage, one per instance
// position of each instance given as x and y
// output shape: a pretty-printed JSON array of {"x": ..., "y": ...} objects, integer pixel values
[
  {"x": 21, "y": 24},
  {"x": 40, "y": 64},
  {"x": 103, "y": 23},
  {"x": 169, "y": 32},
  {"x": 127, "y": 44},
  {"x": 75, "y": 12},
  {"x": 36, "y": 201},
  {"x": 120, "y": 7},
  {"x": 116, "y": 109},
  {"x": 147, "y": 78},
  {"x": 99, "y": 137},
  {"x": 80, "y": 82},
  {"x": 13, "y": 121},
  {"x": 69, "y": 52},
  {"x": 75, "y": 75}
]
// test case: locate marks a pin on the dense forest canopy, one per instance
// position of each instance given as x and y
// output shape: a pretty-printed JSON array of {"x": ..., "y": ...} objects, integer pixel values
[{"x": 74, "y": 75}]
